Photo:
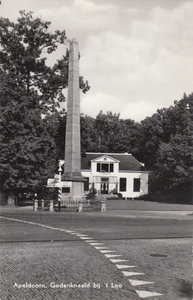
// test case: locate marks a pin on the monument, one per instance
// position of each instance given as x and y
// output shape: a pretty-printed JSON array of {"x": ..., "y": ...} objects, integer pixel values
[
  {"x": 72, "y": 180},
  {"x": 70, "y": 185}
]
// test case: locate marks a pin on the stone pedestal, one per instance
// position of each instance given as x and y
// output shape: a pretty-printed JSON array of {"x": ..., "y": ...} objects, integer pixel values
[
  {"x": 11, "y": 201},
  {"x": 80, "y": 206},
  {"x": 103, "y": 205},
  {"x": 51, "y": 209},
  {"x": 35, "y": 205},
  {"x": 77, "y": 189},
  {"x": 42, "y": 204}
]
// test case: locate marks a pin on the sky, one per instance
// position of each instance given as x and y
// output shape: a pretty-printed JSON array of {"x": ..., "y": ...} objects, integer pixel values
[{"x": 136, "y": 55}]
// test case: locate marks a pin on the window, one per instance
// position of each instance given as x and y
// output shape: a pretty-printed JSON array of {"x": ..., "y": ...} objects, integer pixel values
[
  {"x": 123, "y": 184},
  {"x": 104, "y": 167},
  {"x": 65, "y": 190},
  {"x": 86, "y": 184},
  {"x": 111, "y": 167},
  {"x": 136, "y": 184}
]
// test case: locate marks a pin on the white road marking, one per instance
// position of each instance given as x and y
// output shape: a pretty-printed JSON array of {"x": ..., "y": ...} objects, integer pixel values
[
  {"x": 85, "y": 238},
  {"x": 139, "y": 282},
  {"x": 112, "y": 255},
  {"x": 131, "y": 273},
  {"x": 118, "y": 260},
  {"x": 90, "y": 241},
  {"x": 60, "y": 229},
  {"x": 96, "y": 244},
  {"x": 124, "y": 266},
  {"x": 79, "y": 235},
  {"x": 99, "y": 248},
  {"x": 107, "y": 251},
  {"x": 147, "y": 294}
]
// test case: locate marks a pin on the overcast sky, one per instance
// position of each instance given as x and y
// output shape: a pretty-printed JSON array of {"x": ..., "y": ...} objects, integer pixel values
[{"x": 136, "y": 54}]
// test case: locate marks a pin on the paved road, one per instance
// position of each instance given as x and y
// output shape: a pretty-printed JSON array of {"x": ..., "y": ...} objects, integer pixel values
[{"x": 149, "y": 249}]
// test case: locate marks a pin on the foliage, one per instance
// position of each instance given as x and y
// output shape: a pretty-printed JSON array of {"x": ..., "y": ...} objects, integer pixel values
[
  {"x": 174, "y": 165},
  {"x": 114, "y": 134},
  {"x": 91, "y": 194},
  {"x": 161, "y": 127},
  {"x": 24, "y": 47},
  {"x": 105, "y": 133},
  {"x": 88, "y": 134},
  {"x": 26, "y": 146}
]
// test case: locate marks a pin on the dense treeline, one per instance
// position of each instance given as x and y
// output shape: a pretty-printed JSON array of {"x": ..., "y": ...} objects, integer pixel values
[{"x": 32, "y": 129}]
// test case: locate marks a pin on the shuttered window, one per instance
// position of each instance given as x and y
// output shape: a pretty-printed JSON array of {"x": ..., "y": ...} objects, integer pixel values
[
  {"x": 136, "y": 184},
  {"x": 111, "y": 167},
  {"x": 86, "y": 184},
  {"x": 105, "y": 167},
  {"x": 123, "y": 184}
]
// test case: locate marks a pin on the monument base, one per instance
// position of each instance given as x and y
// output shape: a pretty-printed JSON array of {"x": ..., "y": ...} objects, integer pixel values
[
  {"x": 73, "y": 177},
  {"x": 72, "y": 191}
]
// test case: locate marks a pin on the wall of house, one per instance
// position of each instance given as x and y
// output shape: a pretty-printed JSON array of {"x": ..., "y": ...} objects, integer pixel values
[
  {"x": 129, "y": 182},
  {"x": 143, "y": 176}
]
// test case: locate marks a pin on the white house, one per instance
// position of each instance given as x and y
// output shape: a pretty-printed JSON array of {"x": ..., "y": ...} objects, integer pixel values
[
  {"x": 107, "y": 172},
  {"x": 110, "y": 172}
]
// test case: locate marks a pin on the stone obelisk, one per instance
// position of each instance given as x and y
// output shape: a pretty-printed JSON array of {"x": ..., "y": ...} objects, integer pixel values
[{"x": 72, "y": 166}]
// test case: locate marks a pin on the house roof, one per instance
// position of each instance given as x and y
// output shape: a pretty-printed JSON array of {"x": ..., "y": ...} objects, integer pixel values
[{"x": 127, "y": 161}]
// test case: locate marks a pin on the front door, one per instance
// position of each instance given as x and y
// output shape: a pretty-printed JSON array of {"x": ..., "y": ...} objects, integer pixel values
[{"x": 104, "y": 185}]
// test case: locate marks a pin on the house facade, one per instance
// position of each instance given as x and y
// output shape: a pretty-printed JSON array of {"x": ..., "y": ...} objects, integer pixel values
[{"x": 109, "y": 173}]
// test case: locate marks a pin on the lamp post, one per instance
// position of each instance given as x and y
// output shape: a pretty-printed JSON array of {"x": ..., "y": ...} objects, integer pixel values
[
  {"x": 59, "y": 188},
  {"x": 60, "y": 163},
  {"x": 187, "y": 106}
]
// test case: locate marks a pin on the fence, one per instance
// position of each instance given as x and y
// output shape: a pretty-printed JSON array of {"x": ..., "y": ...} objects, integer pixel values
[{"x": 70, "y": 205}]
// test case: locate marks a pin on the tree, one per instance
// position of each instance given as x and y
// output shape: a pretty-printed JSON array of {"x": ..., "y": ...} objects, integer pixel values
[
  {"x": 89, "y": 141},
  {"x": 30, "y": 93},
  {"x": 150, "y": 135},
  {"x": 114, "y": 134},
  {"x": 22, "y": 46},
  {"x": 160, "y": 128},
  {"x": 165, "y": 146},
  {"x": 128, "y": 137},
  {"x": 173, "y": 165}
]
